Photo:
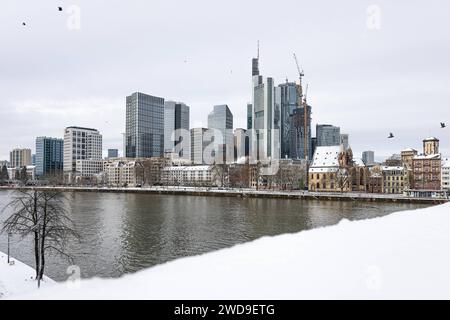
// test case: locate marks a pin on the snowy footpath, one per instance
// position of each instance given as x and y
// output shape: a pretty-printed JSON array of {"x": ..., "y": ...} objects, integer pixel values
[
  {"x": 401, "y": 256},
  {"x": 18, "y": 278}
]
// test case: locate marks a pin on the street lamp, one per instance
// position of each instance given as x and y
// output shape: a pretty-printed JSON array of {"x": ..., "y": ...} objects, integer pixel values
[{"x": 9, "y": 236}]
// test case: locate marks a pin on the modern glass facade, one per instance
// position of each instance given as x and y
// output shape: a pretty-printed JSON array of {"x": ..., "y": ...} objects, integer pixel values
[
  {"x": 113, "y": 153},
  {"x": 289, "y": 102},
  {"x": 176, "y": 117},
  {"x": 328, "y": 135},
  {"x": 144, "y": 126},
  {"x": 300, "y": 134},
  {"x": 49, "y": 156}
]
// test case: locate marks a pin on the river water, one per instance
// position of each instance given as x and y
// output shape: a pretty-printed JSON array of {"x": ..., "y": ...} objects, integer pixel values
[{"x": 123, "y": 233}]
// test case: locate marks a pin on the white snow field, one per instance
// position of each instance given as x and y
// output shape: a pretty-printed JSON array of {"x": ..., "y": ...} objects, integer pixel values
[
  {"x": 401, "y": 256},
  {"x": 18, "y": 278}
]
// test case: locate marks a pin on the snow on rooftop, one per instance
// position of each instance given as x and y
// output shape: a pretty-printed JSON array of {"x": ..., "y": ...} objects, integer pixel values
[
  {"x": 359, "y": 162},
  {"x": 409, "y": 150},
  {"x": 326, "y": 157},
  {"x": 392, "y": 168},
  {"x": 427, "y": 157},
  {"x": 347, "y": 261},
  {"x": 431, "y": 139}
]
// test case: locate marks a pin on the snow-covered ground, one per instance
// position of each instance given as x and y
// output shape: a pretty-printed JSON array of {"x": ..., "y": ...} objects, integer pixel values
[
  {"x": 18, "y": 278},
  {"x": 403, "y": 255}
]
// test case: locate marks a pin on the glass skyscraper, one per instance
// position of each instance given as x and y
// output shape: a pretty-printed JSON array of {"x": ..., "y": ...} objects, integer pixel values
[
  {"x": 144, "y": 132},
  {"x": 289, "y": 102},
  {"x": 221, "y": 119},
  {"x": 300, "y": 134},
  {"x": 176, "y": 117},
  {"x": 49, "y": 155},
  {"x": 328, "y": 135}
]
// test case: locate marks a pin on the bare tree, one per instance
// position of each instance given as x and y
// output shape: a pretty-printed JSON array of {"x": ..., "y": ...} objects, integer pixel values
[
  {"x": 342, "y": 179},
  {"x": 41, "y": 214}
]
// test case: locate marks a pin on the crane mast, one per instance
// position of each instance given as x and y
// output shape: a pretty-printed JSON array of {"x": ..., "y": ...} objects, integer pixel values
[{"x": 302, "y": 102}]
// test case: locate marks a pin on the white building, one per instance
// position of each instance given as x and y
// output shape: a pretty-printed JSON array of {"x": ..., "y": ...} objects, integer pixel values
[
  {"x": 189, "y": 176},
  {"x": 15, "y": 172},
  {"x": 120, "y": 172},
  {"x": 82, "y": 144},
  {"x": 88, "y": 167},
  {"x": 445, "y": 173}
]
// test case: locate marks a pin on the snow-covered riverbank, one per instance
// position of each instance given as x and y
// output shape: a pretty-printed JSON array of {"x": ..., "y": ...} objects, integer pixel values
[
  {"x": 404, "y": 255},
  {"x": 18, "y": 278}
]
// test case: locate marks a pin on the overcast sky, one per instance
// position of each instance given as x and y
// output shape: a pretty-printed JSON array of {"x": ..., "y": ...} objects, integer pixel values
[{"x": 369, "y": 74}]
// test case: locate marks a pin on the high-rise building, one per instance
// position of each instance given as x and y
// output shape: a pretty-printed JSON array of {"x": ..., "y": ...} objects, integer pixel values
[
  {"x": 221, "y": 120},
  {"x": 345, "y": 140},
  {"x": 33, "y": 159},
  {"x": 199, "y": 141},
  {"x": 265, "y": 138},
  {"x": 20, "y": 158},
  {"x": 249, "y": 116},
  {"x": 328, "y": 135},
  {"x": 241, "y": 144},
  {"x": 49, "y": 156},
  {"x": 113, "y": 153},
  {"x": 368, "y": 157},
  {"x": 176, "y": 118},
  {"x": 144, "y": 126},
  {"x": 300, "y": 134},
  {"x": 81, "y": 144},
  {"x": 289, "y": 101}
]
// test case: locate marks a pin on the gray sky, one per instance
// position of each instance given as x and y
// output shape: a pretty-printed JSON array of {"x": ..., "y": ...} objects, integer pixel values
[{"x": 367, "y": 80}]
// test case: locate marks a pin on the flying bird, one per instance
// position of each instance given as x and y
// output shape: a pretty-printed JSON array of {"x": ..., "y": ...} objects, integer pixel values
[
  {"x": 60, "y": 9},
  {"x": 443, "y": 125},
  {"x": 24, "y": 24},
  {"x": 391, "y": 135}
]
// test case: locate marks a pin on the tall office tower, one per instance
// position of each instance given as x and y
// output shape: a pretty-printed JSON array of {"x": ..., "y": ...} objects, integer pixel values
[
  {"x": 81, "y": 144},
  {"x": 241, "y": 144},
  {"x": 265, "y": 138},
  {"x": 199, "y": 142},
  {"x": 368, "y": 157},
  {"x": 345, "y": 141},
  {"x": 300, "y": 133},
  {"x": 313, "y": 145},
  {"x": 113, "y": 153},
  {"x": 328, "y": 135},
  {"x": 249, "y": 116},
  {"x": 144, "y": 126},
  {"x": 176, "y": 117},
  {"x": 221, "y": 119},
  {"x": 289, "y": 102},
  {"x": 49, "y": 156},
  {"x": 20, "y": 158}
]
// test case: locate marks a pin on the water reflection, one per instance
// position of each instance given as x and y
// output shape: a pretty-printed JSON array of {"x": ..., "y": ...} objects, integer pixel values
[{"x": 124, "y": 233}]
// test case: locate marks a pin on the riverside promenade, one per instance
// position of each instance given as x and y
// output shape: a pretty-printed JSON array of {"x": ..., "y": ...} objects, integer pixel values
[{"x": 247, "y": 193}]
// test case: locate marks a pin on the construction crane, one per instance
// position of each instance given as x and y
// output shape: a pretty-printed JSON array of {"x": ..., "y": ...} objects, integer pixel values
[{"x": 302, "y": 102}]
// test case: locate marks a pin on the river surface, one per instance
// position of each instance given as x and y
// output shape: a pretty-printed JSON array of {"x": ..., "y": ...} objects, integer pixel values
[{"x": 123, "y": 233}]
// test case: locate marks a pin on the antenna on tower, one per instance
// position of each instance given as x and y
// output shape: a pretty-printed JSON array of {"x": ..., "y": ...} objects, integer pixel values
[{"x": 258, "y": 50}]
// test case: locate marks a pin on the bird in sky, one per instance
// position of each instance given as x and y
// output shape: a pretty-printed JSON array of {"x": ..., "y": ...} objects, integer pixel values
[
  {"x": 443, "y": 125},
  {"x": 391, "y": 135},
  {"x": 60, "y": 9},
  {"x": 24, "y": 24}
]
